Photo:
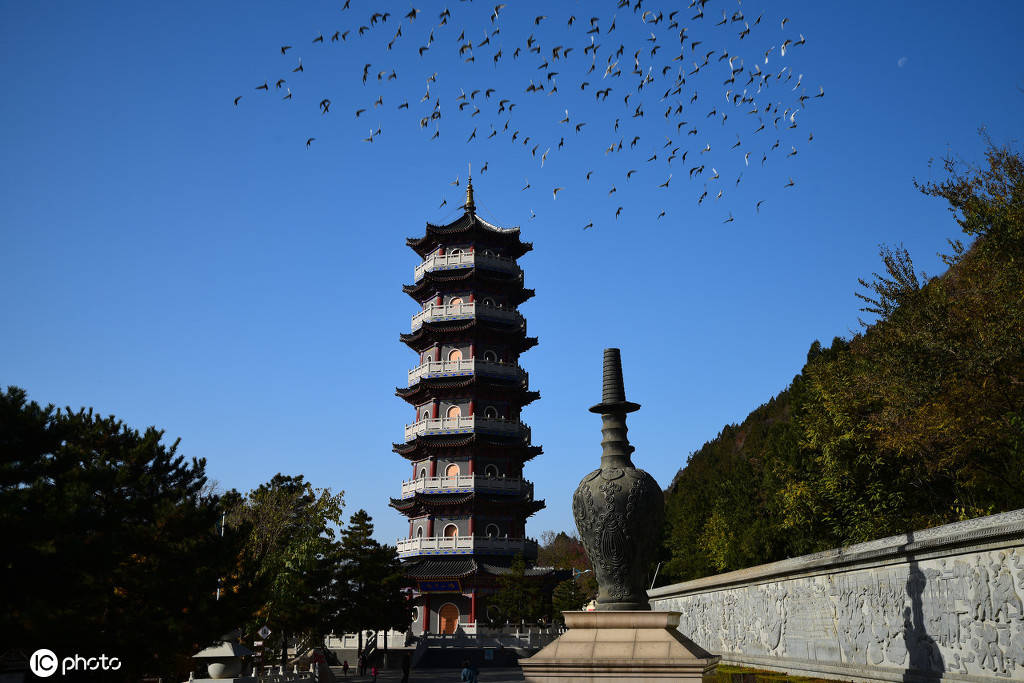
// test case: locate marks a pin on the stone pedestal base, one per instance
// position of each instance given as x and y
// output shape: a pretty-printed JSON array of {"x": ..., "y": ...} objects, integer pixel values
[{"x": 619, "y": 646}]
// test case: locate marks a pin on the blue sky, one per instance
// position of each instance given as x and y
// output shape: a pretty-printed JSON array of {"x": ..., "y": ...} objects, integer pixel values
[{"x": 179, "y": 261}]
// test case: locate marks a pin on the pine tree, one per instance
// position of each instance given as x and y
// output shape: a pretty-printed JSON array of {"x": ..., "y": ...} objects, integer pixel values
[
  {"x": 568, "y": 596},
  {"x": 367, "y": 587},
  {"x": 110, "y": 540},
  {"x": 518, "y": 599}
]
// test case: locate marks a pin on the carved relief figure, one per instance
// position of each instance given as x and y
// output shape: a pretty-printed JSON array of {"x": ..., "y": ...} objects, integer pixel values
[
  {"x": 1003, "y": 594},
  {"x": 982, "y": 594}
]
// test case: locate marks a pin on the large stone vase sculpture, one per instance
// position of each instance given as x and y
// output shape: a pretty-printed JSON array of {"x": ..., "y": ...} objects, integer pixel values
[{"x": 619, "y": 509}]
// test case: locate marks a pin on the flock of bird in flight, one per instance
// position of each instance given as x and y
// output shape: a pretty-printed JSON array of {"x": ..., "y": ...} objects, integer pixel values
[{"x": 663, "y": 118}]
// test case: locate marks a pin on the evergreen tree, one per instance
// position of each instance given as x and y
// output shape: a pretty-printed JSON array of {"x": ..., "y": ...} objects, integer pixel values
[
  {"x": 568, "y": 596},
  {"x": 518, "y": 599},
  {"x": 368, "y": 581},
  {"x": 110, "y": 542}
]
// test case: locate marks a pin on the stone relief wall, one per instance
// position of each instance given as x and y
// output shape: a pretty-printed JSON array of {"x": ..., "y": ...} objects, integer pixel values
[{"x": 952, "y": 613}]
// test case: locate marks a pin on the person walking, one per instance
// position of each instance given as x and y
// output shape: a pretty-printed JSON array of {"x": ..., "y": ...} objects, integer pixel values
[
  {"x": 319, "y": 661},
  {"x": 344, "y": 668},
  {"x": 362, "y": 665},
  {"x": 469, "y": 672},
  {"x": 373, "y": 673}
]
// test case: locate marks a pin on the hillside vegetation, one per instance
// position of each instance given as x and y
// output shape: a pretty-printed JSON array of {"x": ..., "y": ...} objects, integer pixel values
[{"x": 916, "y": 421}]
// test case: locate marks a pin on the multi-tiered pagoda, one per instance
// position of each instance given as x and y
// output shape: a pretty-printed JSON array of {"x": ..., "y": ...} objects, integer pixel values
[{"x": 466, "y": 498}]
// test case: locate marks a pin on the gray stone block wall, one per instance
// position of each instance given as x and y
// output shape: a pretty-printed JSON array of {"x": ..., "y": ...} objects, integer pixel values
[{"x": 939, "y": 603}]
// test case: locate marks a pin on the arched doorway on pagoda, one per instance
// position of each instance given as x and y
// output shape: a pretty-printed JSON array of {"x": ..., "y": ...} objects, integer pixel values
[
  {"x": 451, "y": 531},
  {"x": 448, "y": 618},
  {"x": 453, "y": 413},
  {"x": 455, "y": 354},
  {"x": 452, "y": 470}
]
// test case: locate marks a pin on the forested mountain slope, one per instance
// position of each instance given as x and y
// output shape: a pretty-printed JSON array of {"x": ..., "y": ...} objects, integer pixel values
[{"x": 916, "y": 421}]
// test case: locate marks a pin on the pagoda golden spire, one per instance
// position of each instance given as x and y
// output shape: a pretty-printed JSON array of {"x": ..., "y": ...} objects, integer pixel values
[{"x": 470, "y": 205}]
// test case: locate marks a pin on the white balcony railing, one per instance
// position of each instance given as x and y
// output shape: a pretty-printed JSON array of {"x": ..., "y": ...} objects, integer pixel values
[
  {"x": 465, "y": 367},
  {"x": 463, "y": 483},
  {"x": 463, "y": 259},
  {"x": 466, "y": 545},
  {"x": 466, "y": 425},
  {"x": 463, "y": 311},
  {"x": 350, "y": 641}
]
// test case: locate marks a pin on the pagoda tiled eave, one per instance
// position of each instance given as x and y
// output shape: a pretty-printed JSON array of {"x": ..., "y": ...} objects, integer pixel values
[
  {"x": 481, "y": 386},
  {"x": 462, "y": 567},
  {"x": 484, "y": 330},
  {"x": 470, "y": 228},
  {"x": 474, "y": 278},
  {"x": 465, "y": 503},
  {"x": 423, "y": 447},
  {"x": 456, "y": 568}
]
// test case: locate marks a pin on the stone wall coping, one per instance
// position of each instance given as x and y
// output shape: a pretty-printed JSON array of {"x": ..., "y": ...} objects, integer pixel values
[{"x": 972, "y": 532}]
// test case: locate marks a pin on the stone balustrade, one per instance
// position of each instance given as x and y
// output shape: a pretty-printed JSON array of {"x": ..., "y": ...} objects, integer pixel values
[
  {"x": 466, "y": 367},
  {"x": 467, "y": 424},
  {"x": 463, "y": 483},
  {"x": 466, "y": 545},
  {"x": 463, "y": 259},
  {"x": 463, "y": 311}
]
